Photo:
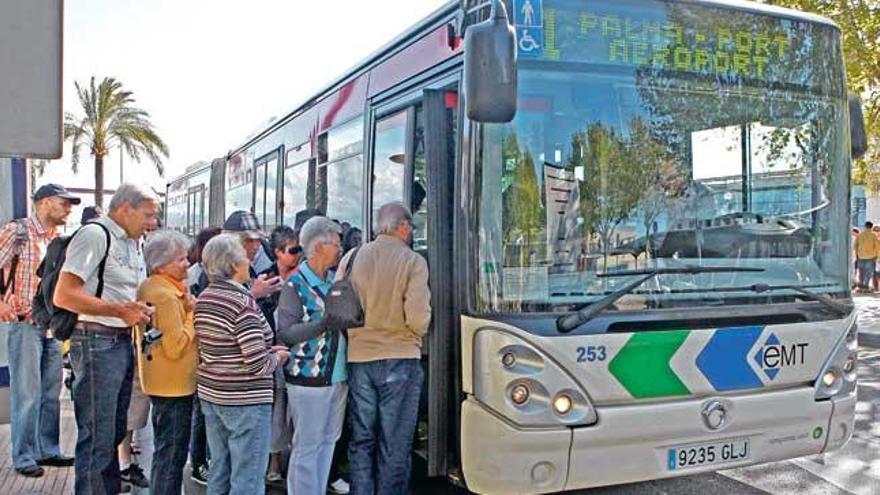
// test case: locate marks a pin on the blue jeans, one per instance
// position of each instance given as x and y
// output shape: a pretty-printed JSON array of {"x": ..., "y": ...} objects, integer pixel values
[
  {"x": 103, "y": 366},
  {"x": 171, "y": 427},
  {"x": 318, "y": 414},
  {"x": 198, "y": 441},
  {"x": 35, "y": 387},
  {"x": 384, "y": 410},
  {"x": 238, "y": 437},
  {"x": 866, "y": 272}
]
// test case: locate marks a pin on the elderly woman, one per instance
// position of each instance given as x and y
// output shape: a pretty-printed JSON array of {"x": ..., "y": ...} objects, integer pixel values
[
  {"x": 167, "y": 367},
  {"x": 316, "y": 381},
  {"x": 285, "y": 244},
  {"x": 235, "y": 374}
]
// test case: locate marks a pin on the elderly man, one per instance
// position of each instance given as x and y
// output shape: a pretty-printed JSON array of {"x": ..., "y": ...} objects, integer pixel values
[
  {"x": 100, "y": 347},
  {"x": 385, "y": 373},
  {"x": 247, "y": 227},
  {"x": 34, "y": 355},
  {"x": 316, "y": 388}
]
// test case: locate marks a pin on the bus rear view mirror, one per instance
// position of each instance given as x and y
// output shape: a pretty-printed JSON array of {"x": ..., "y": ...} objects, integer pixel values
[
  {"x": 858, "y": 135},
  {"x": 490, "y": 68}
]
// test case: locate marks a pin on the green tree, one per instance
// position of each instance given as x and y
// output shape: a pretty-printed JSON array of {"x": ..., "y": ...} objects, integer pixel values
[
  {"x": 610, "y": 191},
  {"x": 111, "y": 120},
  {"x": 659, "y": 178},
  {"x": 523, "y": 209},
  {"x": 859, "y": 22}
]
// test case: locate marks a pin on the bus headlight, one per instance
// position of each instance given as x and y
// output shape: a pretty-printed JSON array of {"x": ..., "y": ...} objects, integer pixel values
[
  {"x": 838, "y": 376},
  {"x": 515, "y": 379},
  {"x": 519, "y": 394},
  {"x": 829, "y": 379},
  {"x": 562, "y": 404}
]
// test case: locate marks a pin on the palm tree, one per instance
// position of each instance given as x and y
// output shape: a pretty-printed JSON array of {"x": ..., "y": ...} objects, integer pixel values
[{"x": 111, "y": 121}]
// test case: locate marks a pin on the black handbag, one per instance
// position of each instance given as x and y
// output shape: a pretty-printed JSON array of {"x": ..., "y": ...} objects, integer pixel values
[{"x": 342, "y": 306}]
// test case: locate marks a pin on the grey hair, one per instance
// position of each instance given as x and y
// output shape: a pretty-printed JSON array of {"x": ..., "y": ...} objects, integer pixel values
[
  {"x": 222, "y": 255},
  {"x": 315, "y": 230},
  {"x": 133, "y": 195},
  {"x": 163, "y": 247},
  {"x": 391, "y": 215}
]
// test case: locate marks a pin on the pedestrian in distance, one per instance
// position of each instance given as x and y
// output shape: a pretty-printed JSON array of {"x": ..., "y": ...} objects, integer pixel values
[
  {"x": 101, "y": 348},
  {"x": 34, "y": 354},
  {"x": 385, "y": 372},
  {"x": 237, "y": 362},
  {"x": 167, "y": 355},
  {"x": 316, "y": 380},
  {"x": 90, "y": 213},
  {"x": 867, "y": 247}
]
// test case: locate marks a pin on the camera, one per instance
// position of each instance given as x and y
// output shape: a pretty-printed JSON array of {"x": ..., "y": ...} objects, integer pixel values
[{"x": 150, "y": 337}]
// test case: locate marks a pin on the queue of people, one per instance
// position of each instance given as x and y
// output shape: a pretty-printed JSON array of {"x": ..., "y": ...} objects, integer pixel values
[{"x": 236, "y": 367}]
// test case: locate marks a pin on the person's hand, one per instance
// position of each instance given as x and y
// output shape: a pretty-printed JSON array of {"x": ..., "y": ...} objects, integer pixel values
[
  {"x": 283, "y": 355},
  {"x": 276, "y": 348},
  {"x": 135, "y": 313},
  {"x": 7, "y": 314},
  {"x": 264, "y": 286}
]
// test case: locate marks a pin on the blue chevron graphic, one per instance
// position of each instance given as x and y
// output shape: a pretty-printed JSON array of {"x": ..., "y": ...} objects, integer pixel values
[
  {"x": 724, "y": 360},
  {"x": 771, "y": 371}
]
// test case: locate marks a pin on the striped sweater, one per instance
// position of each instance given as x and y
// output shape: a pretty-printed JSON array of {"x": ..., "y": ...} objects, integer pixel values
[{"x": 236, "y": 364}]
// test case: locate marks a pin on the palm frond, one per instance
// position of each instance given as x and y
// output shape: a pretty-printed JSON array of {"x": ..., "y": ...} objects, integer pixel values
[{"x": 111, "y": 119}]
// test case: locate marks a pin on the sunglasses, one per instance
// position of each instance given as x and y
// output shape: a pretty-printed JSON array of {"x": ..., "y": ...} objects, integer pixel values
[{"x": 294, "y": 250}]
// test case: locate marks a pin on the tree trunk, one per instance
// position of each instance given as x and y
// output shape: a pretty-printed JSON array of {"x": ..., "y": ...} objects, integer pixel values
[{"x": 99, "y": 181}]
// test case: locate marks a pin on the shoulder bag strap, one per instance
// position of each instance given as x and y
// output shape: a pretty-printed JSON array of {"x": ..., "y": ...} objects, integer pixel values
[
  {"x": 350, "y": 265},
  {"x": 21, "y": 239},
  {"x": 103, "y": 265}
]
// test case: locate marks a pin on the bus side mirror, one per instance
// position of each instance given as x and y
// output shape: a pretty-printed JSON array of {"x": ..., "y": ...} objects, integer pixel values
[
  {"x": 858, "y": 135},
  {"x": 490, "y": 68}
]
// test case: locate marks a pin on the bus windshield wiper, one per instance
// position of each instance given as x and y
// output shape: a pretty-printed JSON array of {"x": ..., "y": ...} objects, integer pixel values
[
  {"x": 567, "y": 323},
  {"x": 826, "y": 301}
]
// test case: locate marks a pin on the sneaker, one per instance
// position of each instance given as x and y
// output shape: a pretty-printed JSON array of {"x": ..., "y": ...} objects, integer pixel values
[
  {"x": 135, "y": 475},
  {"x": 33, "y": 471},
  {"x": 200, "y": 475},
  {"x": 339, "y": 486}
]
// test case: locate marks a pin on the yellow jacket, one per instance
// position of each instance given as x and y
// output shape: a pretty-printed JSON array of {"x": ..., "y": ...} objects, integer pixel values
[
  {"x": 175, "y": 357},
  {"x": 867, "y": 245}
]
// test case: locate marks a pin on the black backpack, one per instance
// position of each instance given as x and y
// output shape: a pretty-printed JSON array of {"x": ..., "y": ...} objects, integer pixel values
[
  {"x": 7, "y": 284},
  {"x": 342, "y": 306},
  {"x": 44, "y": 312}
]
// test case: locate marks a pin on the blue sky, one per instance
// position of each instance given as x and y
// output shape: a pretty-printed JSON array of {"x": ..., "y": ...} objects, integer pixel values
[{"x": 212, "y": 72}]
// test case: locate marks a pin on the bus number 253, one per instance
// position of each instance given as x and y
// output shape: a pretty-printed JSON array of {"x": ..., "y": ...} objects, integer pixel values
[{"x": 591, "y": 353}]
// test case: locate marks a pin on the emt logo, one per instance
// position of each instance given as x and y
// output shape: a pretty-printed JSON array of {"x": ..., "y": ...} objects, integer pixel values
[{"x": 773, "y": 355}]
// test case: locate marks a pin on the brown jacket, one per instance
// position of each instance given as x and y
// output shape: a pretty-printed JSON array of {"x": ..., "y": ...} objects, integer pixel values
[{"x": 392, "y": 282}]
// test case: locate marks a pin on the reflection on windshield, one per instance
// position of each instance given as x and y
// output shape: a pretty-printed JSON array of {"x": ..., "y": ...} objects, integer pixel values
[{"x": 613, "y": 168}]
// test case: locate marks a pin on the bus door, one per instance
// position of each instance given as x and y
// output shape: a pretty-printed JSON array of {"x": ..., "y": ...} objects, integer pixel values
[
  {"x": 413, "y": 162},
  {"x": 196, "y": 209},
  {"x": 266, "y": 189}
]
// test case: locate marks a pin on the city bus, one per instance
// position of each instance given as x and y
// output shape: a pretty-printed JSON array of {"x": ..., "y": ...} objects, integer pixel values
[{"x": 636, "y": 218}]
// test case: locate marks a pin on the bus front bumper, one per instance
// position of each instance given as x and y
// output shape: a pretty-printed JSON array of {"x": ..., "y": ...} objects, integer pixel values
[{"x": 640, "y": 442}]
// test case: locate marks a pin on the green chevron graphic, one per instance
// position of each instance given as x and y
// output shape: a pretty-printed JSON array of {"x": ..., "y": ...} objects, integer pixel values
[{"x": 642, "y": 365}]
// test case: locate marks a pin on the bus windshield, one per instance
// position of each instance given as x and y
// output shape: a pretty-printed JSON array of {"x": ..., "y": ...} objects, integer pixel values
[{"x": 665, "y": 134}]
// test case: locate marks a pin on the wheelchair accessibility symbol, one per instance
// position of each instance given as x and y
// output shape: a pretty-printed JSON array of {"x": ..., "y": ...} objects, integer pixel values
[{"x": 527, "y": 43}]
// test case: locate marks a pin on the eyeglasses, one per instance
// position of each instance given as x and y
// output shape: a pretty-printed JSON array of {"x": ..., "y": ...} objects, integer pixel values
[{"x": 294, "y": 250}]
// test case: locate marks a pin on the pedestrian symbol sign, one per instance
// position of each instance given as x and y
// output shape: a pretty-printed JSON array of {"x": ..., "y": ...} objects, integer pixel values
[
  {"x": 529, "y": 13},
  {"x": 528, "y": 18}
]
